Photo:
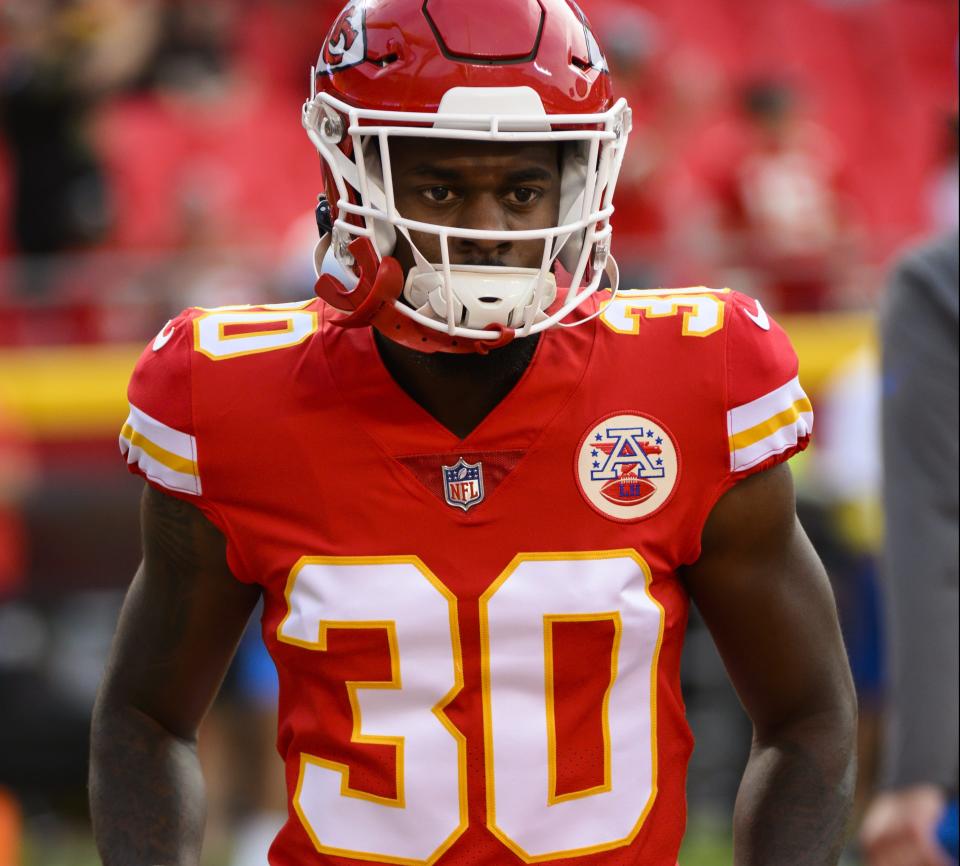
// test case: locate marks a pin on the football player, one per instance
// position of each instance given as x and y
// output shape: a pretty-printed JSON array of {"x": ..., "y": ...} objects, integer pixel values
[{"x": 477, "y": 486}]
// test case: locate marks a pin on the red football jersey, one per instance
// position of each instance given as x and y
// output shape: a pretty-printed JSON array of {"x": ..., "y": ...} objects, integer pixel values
[{"x": 478, "y": 641}]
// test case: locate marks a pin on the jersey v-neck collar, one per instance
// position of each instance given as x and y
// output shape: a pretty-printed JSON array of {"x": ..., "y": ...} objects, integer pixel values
[{"x": 402, "y": 426}]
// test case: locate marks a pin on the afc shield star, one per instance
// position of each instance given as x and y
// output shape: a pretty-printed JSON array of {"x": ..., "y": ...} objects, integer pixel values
[{"x": 463, "y": 484}]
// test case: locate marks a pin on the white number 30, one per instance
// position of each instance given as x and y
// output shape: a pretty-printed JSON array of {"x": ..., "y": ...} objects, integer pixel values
[{"x": 519, "y": 615}]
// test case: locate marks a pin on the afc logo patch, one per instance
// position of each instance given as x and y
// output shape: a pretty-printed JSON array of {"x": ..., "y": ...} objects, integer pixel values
[
  {"x": 627, "y": 466},
  {"x": 348, "y": 40},
  {"x": 463, "y": 484}
]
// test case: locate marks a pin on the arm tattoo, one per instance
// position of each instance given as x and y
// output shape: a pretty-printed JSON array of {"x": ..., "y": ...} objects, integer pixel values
[
  {"x": 168, "y": 533},
  {"x": 171, "y": 557},
  {"x": 794, "y": 804},
  {"x": 146, "y": 793}
]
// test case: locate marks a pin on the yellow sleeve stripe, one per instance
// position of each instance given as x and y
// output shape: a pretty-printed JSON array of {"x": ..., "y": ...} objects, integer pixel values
[
  {"x": 163, "y": 454},
  {"x": 160, "y": 455},
  {"x": 752, "y": 435}
]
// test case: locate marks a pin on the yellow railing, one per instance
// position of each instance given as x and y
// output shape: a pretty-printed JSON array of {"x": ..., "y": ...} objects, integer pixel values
[{"x": 79, "y": 391}]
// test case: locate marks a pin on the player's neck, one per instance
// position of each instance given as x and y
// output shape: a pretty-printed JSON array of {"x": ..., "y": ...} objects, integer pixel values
[{"x": 459, "y": 391}]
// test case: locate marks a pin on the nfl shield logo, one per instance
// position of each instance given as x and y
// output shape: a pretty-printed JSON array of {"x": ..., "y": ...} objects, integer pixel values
[{"x": 463, "y": 484}]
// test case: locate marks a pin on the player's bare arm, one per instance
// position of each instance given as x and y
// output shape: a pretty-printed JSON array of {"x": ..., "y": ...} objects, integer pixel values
[
  {"x": 768, "y": 604},
  {"x": 180, "y": 624}
]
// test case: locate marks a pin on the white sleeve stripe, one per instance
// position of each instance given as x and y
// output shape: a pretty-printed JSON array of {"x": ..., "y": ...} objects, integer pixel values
[
  {"x": 171, "y": 461},
  {"x": 156, "y": 471},
  {"x": 167, "y": 438},
  {"x": 758, "y": 411},
  {"x": 786, "y": 418},
  {"x": 164, "y": 455},
  {"x": 776, "y": 443}
]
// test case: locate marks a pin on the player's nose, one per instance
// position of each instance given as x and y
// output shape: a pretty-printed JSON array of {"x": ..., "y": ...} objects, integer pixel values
[{"x": 482, "y": 213}]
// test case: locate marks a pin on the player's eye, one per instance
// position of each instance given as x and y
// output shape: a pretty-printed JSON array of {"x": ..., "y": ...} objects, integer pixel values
[
  {"x": 438, "y": 194},
  {"x": 524, "y": 195}
]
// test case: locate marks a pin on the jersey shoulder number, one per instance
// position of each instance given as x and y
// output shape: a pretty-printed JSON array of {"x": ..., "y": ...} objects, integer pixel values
[
  {"x": 699, "y": 311},
  {"x": 223, "y": 333}
]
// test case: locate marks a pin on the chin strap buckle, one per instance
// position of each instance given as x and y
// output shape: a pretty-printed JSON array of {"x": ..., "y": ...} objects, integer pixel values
[
  {"x": 380, "y": 283},
  {"x": 507, "y": 335},
  {"x": 372, "y": 302}
]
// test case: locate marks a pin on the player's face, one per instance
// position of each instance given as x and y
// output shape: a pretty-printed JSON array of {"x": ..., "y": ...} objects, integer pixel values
[{"x": 476, "y": 185}]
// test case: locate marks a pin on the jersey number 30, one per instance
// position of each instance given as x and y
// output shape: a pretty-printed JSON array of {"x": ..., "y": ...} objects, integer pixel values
[{"x": 522, "y": 614}]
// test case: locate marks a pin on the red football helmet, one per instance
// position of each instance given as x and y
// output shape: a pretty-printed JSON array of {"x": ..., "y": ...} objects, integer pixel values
[{"x": 500, "y": 70}]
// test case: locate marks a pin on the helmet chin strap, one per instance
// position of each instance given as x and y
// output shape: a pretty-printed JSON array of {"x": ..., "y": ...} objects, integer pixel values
[
  {"x": 378, "y": 283},
  {"x": 372, "y": 301},
  {"x": 366, "y": 295}
]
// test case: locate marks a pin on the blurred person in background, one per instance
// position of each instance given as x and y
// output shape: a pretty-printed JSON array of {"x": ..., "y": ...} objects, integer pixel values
[
  {"x": 248, "y": 719},
  {"x": 943, "y": 188},
  {"x": 841, "y": 511},
  {"x": 671, "y": 86},
  {"x": 58, "y": 60},
  {"x": 778, "y": 218},
  {"x": 200, "y": 139},
  {"x": 634, "y": 42},
  {"x": 17, "y": 476},
  {"x": 920, "y": 565}
]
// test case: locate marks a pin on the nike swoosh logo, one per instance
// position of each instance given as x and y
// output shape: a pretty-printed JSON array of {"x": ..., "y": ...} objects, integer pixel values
[
  {"x": 163, "y": 337},
  {"x": 760, "y": 319}
]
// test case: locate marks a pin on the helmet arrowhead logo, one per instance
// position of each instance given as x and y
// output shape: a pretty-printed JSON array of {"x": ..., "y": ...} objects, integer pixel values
[{"x": 347, "y": 42}]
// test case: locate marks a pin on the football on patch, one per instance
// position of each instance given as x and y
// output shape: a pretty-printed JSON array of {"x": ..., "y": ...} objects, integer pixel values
[{"x": 628, "y": 490}]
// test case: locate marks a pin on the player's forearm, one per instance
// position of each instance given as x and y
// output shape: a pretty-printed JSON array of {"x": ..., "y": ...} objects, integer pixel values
[
  {"x": 146, "y": 791},
  {"x": 796, "y": 795}
]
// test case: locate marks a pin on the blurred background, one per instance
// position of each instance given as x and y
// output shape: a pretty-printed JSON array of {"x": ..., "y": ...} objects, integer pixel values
[{"x": 151, "y": 157}]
